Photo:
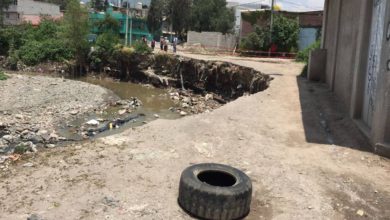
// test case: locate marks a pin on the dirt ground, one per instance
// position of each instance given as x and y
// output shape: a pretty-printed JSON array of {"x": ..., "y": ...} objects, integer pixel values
[{"x": 306, "y": 159}]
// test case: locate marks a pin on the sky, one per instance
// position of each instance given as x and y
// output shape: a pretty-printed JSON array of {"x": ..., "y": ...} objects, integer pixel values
[{"x": 290, "y": 5}]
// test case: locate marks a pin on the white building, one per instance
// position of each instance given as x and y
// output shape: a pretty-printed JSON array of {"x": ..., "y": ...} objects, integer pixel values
[{"x": 29, "y": 11}]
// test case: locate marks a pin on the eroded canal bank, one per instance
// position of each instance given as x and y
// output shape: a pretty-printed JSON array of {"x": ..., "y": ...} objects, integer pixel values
[{"x": 44, "y": 112}]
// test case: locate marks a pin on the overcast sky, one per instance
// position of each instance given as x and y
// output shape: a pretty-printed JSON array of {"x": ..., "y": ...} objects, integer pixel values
[{"x": 291, "y": 5}]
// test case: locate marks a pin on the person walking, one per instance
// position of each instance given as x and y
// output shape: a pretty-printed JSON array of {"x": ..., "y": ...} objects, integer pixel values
[
  {"x": 153, "y": 44},
  {"x": 166, "y": 45},
  {"x": 174, "y": 44},
  {"x": 161, "y": 43}
]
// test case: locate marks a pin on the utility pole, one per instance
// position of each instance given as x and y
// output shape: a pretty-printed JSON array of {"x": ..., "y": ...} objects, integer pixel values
[
  {"x": 272, "y": 20},
  {"x": 127, "y": 22},
  {"x": 131, "y": 27}
]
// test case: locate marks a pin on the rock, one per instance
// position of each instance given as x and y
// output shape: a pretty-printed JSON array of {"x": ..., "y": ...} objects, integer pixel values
[
  {"x": 186, "y": 99},
  {"x": 8, "y": 138},
  {"x": 53, "y": 138},
  {"x": 122, "y": 111},
  {"x": 185, "y": 105},
  {"x": 42, "y": 132},
  {"x": 183, "y": 113},
  {"x": 3, "y": 126},
  {"x": 360, "y": 212},
  {"x": 19, "y": 116},
  {"x": 28, "y": 165},
  {"x": 109, "y": 201},
  {"x": 50, "y": 145},
  {"x": 156, "y": 115},
  {"x": 74, "y": 112},
  {"x": 208, "y": 97},
  {"x": 35, "y": 217},
  {"x": 3, "y": 159},
  {"x": 93, "y": 122}
]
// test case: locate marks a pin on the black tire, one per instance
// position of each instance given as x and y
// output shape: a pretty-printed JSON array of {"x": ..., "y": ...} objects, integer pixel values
[{"x": 215, "y": 191}]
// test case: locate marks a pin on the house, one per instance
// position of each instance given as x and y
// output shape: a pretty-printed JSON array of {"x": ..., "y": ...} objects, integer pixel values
[
  {"x": 30, "y": 11},
  {"x": 356, "y": 64},
  {"x": 310, "y": 23},
  {"x": 137, "y": 27}
]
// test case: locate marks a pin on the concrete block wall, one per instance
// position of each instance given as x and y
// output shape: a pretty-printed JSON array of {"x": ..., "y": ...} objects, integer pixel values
[
  {"x": 30, "y": 7},
  {"x": 346, "y": 38},
  {"x": 212, "y": 40}
]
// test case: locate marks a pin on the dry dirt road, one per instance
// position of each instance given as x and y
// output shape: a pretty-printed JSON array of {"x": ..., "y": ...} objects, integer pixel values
[{"x": 306, "y": 160}]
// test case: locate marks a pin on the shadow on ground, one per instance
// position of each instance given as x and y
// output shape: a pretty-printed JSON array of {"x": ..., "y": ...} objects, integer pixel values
[{"x": 325, "y": 120}]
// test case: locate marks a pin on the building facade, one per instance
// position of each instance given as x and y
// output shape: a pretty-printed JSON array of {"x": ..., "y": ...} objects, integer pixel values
[
  {"x": 137, "y": 27},
  {"x": 356, "y": 41},
  {"x": 29, "y": 11}
]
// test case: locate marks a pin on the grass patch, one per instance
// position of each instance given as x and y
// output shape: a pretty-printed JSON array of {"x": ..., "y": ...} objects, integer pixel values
[{"x": 3, "y": 76}]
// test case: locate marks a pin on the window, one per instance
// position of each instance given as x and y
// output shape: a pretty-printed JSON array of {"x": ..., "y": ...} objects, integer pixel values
[
  {"x": 15, "y": 2},
  {"x": 7, "y": 15}
]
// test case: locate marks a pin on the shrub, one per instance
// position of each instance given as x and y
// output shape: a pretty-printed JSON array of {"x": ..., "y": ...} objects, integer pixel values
[
  {"x": 303, "y": 55},
  {"x": 3, "y": 76},
  {"x": 141, "y": 48},
  {"x": 257, "y": 40},
  {"x": 34, "y": 52}
]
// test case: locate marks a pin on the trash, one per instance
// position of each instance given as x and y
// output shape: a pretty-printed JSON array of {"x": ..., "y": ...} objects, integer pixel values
[
  {"x": 14, "y": 157},
  {"x": 183, "y": 113},
  {"x": 156, "y": 115},
  {"x": 28, "y": 165},
  {"x": 93, "y": 122}
]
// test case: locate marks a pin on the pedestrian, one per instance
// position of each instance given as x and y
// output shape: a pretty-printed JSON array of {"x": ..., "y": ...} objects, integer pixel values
[
  {"x": 153, "y": 44},
  {"x": 144, "y": 40},
  {"x": 162, "y": 43},
  {"x": 166, "y": 45},
  {"x": 174, "y": 44}
]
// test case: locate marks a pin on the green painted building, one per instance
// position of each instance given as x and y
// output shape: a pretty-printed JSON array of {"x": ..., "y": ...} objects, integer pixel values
[{"x": 136, "y": 30}]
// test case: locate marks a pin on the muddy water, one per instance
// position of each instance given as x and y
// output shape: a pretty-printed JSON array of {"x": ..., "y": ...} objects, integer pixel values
[{"x": 155, "y": 102}]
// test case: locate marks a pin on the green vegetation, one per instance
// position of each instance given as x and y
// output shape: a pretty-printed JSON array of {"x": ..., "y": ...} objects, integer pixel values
[
  {"x": 212, "y": 15},
  {"x": 197, "y": 15},
  {"x": 141, "y": 48},
  {"x": 303, "y": 56},
  {"x": 75, "y": 32},
  {"x": 33, "y": 45},
  {"x": 254, "y": 16},
  {"x": 21, "y": 149},
  {"x": 155, "y": 15},
  {"x": 284, "y": 35},
  {"x": 3, "y": 76},
  {"x": 257, "y": 40}
]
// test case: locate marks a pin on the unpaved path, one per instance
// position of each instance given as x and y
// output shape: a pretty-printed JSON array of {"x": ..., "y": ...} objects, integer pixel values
[{"x": 305, "y": 158}]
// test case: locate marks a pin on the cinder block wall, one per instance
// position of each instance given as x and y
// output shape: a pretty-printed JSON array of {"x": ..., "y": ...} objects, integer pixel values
[{"x": 212, "y": 40}]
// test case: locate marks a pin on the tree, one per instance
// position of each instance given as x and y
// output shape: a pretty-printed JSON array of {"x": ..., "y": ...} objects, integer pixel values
[
  {"x": 4, "y": 4},
  {"x": 285, "y": 33},
  {"x": 180, "y": 15},
  {"x": 211, "y": 15},
  {"x": 76, "y": 30},
  {"x": 155, "y": 15}
]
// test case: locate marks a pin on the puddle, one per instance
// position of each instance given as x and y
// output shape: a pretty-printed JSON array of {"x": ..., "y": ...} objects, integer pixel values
[{"x": 154, "y": 100}]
